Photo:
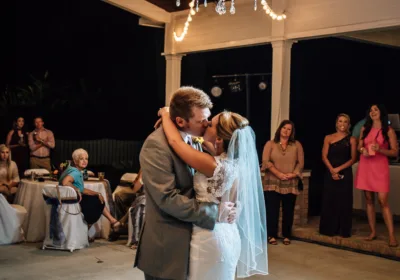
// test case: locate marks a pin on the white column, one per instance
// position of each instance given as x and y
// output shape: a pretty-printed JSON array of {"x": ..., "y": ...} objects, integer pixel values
[
  {"x": 173, "y": 75},
  {"x": 281, "y": 62}
]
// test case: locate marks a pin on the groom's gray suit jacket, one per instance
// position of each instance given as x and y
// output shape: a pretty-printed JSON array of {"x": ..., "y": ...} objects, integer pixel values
[{"x": 171, "y": 210}]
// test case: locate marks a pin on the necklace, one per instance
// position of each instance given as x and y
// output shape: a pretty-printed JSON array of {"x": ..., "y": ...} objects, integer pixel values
[{"x": 283, "y": 149}]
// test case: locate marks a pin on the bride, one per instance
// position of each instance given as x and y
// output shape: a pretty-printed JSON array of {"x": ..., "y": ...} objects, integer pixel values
[{"x": 229, "y": 174}]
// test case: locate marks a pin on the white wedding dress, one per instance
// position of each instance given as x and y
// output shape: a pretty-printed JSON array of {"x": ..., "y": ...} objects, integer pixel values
[{"x": 215, "y": 254}]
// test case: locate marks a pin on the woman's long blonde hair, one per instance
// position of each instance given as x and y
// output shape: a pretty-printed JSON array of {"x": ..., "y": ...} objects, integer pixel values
[{"x": 3, "y": 147}]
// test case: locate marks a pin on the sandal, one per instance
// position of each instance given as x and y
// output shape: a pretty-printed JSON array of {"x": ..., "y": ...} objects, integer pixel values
[
  {"x": 370, "y": 238},
  {"x": 116, "y": 226},
  {"x": 393, "y": 243},
  {"x": 286, "y": 241},
  {"x": 134, "y": 246},
  {"x": 91, "y": 239},
  {"x": 272, "y": 241}
]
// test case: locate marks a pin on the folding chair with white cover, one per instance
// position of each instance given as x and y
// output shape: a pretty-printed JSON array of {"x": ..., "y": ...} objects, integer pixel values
[
  {"x": 125, "y": 180},
  {"x": 137, "y": 215},
  {"x": 65, "y": 226},
  {"x": 12, "y": 217}
]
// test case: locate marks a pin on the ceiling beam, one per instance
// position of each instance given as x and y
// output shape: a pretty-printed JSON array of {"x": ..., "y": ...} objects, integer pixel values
[
  {"x": 383, "y": 37},
  {"x": 150, "y": 23},
  {"x": 142, "y": 8}
]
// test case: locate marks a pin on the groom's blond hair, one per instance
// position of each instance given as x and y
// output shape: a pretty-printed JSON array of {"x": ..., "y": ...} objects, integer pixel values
[{"x": 185, "y": 99}]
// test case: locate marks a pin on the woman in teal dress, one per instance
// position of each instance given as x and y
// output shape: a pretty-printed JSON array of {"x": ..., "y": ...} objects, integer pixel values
[{"x": 92, "y": 203}]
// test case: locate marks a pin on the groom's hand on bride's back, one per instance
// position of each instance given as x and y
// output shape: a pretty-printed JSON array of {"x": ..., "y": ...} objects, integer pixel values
[{"x": 227, "y": 212}]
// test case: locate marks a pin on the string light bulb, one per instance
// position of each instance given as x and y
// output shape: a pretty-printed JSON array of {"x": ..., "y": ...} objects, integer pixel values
[
  {"x": 271, "y": 13},
  {"x": 186, "y": 26}
]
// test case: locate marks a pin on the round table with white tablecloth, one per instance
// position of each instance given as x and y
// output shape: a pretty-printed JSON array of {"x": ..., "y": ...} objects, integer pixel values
[{"x": 30, "y": 196}]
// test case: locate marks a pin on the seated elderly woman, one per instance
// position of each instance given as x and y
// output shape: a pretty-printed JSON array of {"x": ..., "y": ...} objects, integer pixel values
[
  {"x": 9, "y": 177},
  {"x": 92, "y": 203}
]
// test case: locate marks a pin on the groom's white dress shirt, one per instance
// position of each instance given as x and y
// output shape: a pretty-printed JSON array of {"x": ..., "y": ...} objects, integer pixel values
[{"x": 186, "y": 137}]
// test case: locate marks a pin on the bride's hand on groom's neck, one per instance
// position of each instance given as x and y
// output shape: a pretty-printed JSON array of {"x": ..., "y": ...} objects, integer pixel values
[
  {"x": 160, "y": 113},
  {"x": 163, "y": 111},
  {"x": 158, "y": 123}
]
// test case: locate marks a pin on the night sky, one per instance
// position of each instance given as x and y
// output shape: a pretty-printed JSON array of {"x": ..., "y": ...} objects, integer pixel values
[{"x": 107, "y": 76}]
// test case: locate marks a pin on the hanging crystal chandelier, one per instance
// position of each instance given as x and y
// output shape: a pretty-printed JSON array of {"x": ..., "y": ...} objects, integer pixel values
[{"x": 221, "y": 9}]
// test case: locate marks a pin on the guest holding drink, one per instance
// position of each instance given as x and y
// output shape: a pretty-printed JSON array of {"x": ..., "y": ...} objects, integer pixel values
[
  {"x": 41, "y": 142},
  {"x": 92, "y": 203},
  {"x": 339, "y": 153},
  {"x": 283, "y": 162},
  {"x": 378, "y": 141},
  {"x": 9, "y": 178},
  {"x": 17, "y": 141}
]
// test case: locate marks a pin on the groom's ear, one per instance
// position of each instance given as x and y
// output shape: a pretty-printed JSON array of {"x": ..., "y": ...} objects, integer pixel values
[{"x": 180, "y": 122}]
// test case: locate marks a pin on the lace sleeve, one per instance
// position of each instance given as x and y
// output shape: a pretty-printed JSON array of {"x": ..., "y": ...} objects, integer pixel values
[{"x": 223, "y": 177}]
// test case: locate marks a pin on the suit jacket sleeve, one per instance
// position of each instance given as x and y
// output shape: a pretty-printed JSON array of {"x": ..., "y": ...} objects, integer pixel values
[{"x": 159, "y": 181}]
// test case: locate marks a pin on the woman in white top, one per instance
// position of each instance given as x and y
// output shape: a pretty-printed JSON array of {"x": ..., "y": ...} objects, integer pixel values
[
  {"x": 230, "y": 174},
  {"x": 9, "y": 177}
]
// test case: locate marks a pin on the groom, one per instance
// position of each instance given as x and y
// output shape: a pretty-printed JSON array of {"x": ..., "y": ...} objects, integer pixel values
[{"x": 171, "y": 209}]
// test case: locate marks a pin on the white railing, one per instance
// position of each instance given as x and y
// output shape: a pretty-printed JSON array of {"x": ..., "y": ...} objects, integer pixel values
[{"x": 101, "y": 152}]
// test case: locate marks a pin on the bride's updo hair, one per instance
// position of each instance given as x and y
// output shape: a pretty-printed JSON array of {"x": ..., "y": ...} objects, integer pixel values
[{"x": 228, "y": 122}]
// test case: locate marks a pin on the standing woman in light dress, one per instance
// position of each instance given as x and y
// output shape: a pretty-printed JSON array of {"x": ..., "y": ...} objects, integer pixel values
[
  {"x": 230, "y": 174},
  {"x": 378, "y": 141}
]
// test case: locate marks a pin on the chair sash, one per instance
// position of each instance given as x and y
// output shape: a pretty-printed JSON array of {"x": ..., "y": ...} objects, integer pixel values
[{"x": 56, "y": 230}]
